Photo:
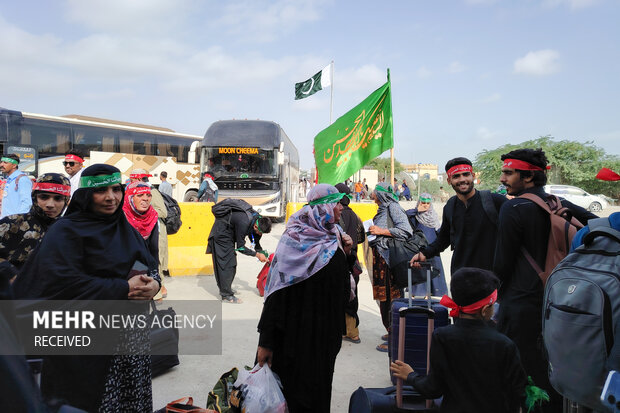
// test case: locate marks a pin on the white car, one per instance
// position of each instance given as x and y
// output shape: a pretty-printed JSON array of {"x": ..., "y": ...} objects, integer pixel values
[{"x": 578, "y": 196}]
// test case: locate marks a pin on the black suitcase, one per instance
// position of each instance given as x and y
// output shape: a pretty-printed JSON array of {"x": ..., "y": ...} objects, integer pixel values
[
  {"x": 164, "y": 343},
  {"x": 384, "y": 401},
  {"x": 417, "y": 338},
  {"x": 395, "y": 399}
]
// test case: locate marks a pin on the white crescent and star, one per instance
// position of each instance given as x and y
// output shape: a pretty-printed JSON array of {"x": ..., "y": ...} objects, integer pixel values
[{"x": 310, "y": 88}]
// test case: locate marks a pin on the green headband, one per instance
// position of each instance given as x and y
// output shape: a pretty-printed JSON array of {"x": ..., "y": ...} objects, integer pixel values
[
  {"x": 329, "y": 199},
  {"x": 425, "y": 199},
  {"x": 389, "y": 191},
  {"x": 10, "y": 160},
  {"x": 100, "y": 180}
]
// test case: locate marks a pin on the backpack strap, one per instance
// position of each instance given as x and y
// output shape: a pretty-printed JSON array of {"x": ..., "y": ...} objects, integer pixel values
[
  {"x": 449, "y": 213},
  {"x": 20, "y": 176},
  {"x": 553, "y": 205},
  {"x": 489, "y": 206},
  {"x": 600, "y": 226}
]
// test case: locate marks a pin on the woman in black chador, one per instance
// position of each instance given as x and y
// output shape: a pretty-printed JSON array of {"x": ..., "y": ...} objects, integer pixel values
[
  {"x": 308, "y": 286},
  {"x": 87, "y": 255}
]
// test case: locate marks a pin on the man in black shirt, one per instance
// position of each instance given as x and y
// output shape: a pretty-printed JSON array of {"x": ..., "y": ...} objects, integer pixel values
[
  {"x": 227, "y": 231},
  {"x": 469, "y": 223},
  {"x": 522, "y": 223}
]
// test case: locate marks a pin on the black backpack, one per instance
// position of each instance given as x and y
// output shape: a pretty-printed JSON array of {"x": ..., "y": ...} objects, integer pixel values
[
  {"x": 173, "y": 220},
  {"x": 228, "y": 205},
  {"x": 581, "y": 316}
]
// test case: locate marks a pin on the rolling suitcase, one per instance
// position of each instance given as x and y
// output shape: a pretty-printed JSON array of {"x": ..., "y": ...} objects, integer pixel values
[
  {"x": 418, "y": 336},
  {"x": 396, "y": 399}
]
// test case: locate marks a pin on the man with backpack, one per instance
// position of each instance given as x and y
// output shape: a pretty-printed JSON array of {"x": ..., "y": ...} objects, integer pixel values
[
  {"x": 522, "y": 257},
  {"x": 234, "y": 221},
  {"x": 469, "y": 224},
  {"x": 16, "y": 197}
]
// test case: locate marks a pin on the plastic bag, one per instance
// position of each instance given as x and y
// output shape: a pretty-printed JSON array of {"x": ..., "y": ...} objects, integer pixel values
[{"x": 260, "y": 391}]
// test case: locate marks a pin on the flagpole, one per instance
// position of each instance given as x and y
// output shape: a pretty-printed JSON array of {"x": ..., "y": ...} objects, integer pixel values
[
  {"x": 392, "y": 167},
  {"x": 391, "y": 149},
  {"x": 331, "y": 93}
]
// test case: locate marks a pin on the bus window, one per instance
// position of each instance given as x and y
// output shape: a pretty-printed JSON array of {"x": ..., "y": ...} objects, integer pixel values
[
  {"x": 143, "y": 143},
  {"x": 49, "y": 140},
  {"x": 237, "y": 161},
  {"x": 92, "y": 138}
]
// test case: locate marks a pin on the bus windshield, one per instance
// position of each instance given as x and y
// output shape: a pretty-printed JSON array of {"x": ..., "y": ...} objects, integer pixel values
[{"x": 239, "y": 162}]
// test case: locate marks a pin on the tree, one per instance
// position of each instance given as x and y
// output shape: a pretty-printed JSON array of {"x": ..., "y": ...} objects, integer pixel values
[
  {"x": 572, "y": 163},
  {"x": 383, "y": 166}
]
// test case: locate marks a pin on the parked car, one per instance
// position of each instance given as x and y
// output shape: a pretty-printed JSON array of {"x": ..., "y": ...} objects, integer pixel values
[{"x": 578, "y": 196}]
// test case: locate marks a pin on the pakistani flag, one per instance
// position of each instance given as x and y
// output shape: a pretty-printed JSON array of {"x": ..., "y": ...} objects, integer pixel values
[
  {"x": 317, "y": 82},
  {"x": 356, "y": 138}
]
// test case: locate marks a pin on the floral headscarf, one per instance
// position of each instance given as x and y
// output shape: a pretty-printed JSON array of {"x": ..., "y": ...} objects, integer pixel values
[
  {"x": 428, "y": 218},
  {"x": 309, "y": 242}
]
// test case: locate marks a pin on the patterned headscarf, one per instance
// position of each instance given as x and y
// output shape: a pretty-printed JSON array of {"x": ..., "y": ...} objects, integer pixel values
[
  {"x": 51, "y": 183},
  {"x": 389, "y": 206},
  {"x": 428, "y": 218},
  {"x": 309, "y": 242}
]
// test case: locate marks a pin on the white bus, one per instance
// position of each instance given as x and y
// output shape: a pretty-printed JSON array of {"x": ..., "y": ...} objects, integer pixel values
[
  {"x": 252, "y": 160},
  {"x": 41, "y": 142}
]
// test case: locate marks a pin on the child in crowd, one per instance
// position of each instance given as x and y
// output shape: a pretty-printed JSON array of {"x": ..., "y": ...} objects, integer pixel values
[{"x": 474, "y": 367}]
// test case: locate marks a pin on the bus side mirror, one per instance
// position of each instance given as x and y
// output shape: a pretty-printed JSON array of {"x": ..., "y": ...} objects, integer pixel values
[
  {"x": 280, "y": 158},
  {"x": 191, "y": 155}
]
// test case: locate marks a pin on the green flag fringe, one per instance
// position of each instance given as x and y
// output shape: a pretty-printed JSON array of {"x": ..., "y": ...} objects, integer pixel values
[{"x": 534, "y": 396}]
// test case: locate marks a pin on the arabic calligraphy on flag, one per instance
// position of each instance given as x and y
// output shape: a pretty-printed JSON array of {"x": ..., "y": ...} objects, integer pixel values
[{"x": 357, "y": 137}]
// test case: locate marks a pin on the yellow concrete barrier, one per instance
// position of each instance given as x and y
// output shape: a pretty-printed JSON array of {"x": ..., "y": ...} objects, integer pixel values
[{"x": 186, "y": 248}]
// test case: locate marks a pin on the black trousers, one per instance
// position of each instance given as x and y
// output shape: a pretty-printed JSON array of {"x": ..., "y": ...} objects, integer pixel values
[{"x": 224, "y": 274}]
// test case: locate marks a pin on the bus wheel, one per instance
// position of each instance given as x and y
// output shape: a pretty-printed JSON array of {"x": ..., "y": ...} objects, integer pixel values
[{"x": 190, "y": 196}]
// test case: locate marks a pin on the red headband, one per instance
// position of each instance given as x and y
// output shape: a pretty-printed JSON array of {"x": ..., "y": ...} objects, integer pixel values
[
  {"x": 459, "y": 168},
  {"x": 139, "y": 176},
  {"x": 521, "y": 165},
  {"x": 467, "y": 309},
  {"x": 74, "y": 158},
  {"x": 138, "y": 190},
  {"x": 51, "y": 187},
  {"x": 208, "y": 176}
]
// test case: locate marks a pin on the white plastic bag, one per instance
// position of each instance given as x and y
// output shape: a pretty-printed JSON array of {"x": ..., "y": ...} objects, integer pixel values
[{"x": 260, "y": 391}]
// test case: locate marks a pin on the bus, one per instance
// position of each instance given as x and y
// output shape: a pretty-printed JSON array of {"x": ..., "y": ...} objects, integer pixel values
[
  {"x": 41, "y": 142},
  {"x": 253, "y": 160}
]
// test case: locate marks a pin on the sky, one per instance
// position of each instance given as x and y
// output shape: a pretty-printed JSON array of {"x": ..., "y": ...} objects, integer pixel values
[{"x": 467, "y": 75}]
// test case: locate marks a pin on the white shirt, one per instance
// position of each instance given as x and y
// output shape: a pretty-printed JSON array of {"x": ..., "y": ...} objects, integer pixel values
[{"x": 75, "y": 181}]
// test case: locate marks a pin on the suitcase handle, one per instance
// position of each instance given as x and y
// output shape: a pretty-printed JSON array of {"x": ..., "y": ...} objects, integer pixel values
[{"x": 403, "y": 311}]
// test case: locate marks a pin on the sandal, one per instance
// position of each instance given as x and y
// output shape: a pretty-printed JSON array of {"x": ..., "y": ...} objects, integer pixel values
[
  {"x": 232, "y": 300},
  {"x": 383, "y": 348},
  {"x": 385, "y": 337},
  {"x": 352, "y": 340}
]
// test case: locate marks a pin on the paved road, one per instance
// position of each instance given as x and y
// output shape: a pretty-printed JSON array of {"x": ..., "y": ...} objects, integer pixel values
[{"x": 357, "y": 364}]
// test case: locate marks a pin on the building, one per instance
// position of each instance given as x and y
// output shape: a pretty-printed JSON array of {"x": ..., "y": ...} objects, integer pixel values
[{"x": 426, "y": 170}]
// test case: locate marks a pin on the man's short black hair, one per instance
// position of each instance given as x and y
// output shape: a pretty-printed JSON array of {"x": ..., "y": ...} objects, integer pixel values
[
  {"x": 469, "y": 285},
  {"x": 12, "y": 156},
  {"x": 164, "y": 174},
  {"x": 457, "y": 161},
  {"x": 535, "y": 157},
  {"x": 264, "y": 225},
  {"x": 75, "y": 152}
]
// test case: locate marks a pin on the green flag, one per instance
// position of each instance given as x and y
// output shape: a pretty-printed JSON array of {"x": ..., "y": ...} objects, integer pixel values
[
  {"x": 356, "y": 138},
  {"x": 317, "y": 82}
]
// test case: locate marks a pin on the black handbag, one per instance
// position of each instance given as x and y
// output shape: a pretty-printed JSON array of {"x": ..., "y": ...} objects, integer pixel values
[
  {"x": 401, "y": 252},
  {"x": 164, "y": 341}
]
